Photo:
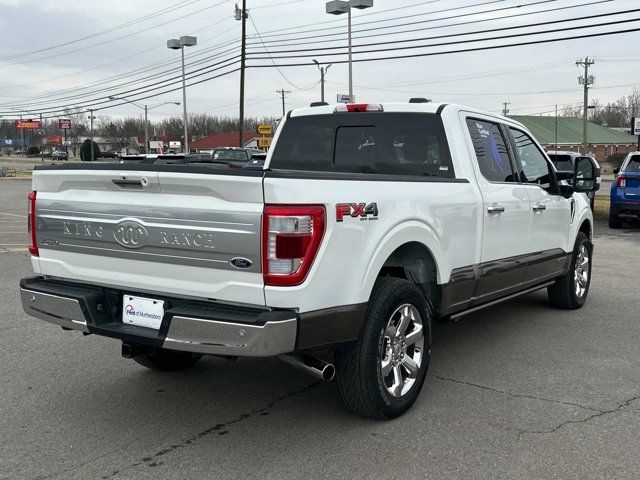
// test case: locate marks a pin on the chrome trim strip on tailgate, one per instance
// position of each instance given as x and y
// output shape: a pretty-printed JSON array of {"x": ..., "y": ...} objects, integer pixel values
[
  {"x": 176, "y": 236},
  {"x": 62, "y": 311}
]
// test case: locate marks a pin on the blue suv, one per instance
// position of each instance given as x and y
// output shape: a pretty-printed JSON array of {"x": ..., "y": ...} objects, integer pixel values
[{"x": 625, "y": 190}]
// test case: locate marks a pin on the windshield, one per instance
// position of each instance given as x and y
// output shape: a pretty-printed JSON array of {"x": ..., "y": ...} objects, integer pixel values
[{"x": 229, "y": 155}]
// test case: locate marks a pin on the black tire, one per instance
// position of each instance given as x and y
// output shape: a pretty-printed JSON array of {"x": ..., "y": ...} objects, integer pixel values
[
  {"x": 167, "y": 360},
  {"x": 563, "y": 293},
  {"x": 358, "y": 369},
  {"x": 614, "y": 220}
]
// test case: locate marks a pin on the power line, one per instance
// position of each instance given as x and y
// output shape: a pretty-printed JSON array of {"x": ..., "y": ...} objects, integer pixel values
[
  {"x": 412, "y": 47},
  {"x": 120, "y": 59},
  {"x": 404, "y": 23},
  {"x": 87, "y": 47},
  {"x": 466, "y": 50},
  {"x": 170, "y": 8},
  {"x": 449, "y": 25}
]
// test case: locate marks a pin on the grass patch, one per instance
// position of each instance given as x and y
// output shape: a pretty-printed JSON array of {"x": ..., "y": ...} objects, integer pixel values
[{"x": 601, "y": 207}]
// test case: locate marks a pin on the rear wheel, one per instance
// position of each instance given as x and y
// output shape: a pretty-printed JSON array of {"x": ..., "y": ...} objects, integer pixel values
[
  {"x": 382, "y": 375},
  {"x": 614, "y": 220},
  {"x": 167, "y": 360},
  {"x": 570, "y": 291}
]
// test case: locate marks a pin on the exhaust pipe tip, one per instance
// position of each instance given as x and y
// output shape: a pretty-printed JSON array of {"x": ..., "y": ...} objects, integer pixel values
[
  {"x": 317, "y": 368},
  {"x": 328, "y": 372}
]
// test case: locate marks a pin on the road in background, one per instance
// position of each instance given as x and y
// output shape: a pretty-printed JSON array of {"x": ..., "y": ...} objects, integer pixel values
[
  {"x": 13, "y": 215},
  {"x": 519, "y": 390}
]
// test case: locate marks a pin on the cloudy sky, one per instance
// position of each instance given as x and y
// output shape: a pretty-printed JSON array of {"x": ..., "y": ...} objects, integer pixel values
[{"x": 64, "y": 52}]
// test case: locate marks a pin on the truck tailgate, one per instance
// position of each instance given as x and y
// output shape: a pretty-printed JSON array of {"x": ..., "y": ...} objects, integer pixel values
[{"x": 174, "y": 232}]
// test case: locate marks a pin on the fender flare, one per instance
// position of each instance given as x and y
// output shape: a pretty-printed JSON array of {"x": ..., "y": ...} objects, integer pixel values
[{"x": 407, "y": 232}]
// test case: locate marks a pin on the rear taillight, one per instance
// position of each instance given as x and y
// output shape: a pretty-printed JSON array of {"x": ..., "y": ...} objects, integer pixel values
[
  {"x": 622, "y": 181},
  {"x": 31, "y": 225},
  {"x": 291, "y": 236}
]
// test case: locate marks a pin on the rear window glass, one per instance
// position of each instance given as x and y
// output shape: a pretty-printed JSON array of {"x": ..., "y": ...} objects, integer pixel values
[
  {"x": 379, "y": 143},
  {"x": 491, "y": 151},
  {"x": 634, "y": 164}
]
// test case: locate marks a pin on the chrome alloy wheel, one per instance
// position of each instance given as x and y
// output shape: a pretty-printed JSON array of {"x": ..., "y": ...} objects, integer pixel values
[
  {"x": 402, "y": 351},
  {"x": 581, "y": 272}
]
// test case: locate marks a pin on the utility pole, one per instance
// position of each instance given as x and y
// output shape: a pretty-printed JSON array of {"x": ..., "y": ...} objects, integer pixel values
[
  {"x": 323, "y": 72},
  {"x": 586, "y": 81},
  {"x": 556, "y": 127},
  {"x": 41, "y": 140},
  {"x": 282, "y": 93},
  {"x": 91, "y": 133},
  {"x": 146, "y": 130},
  {"x": 505, "y": 109},
  {"x": 24, "y": 149},
  {"x": 242, "y": 15}
]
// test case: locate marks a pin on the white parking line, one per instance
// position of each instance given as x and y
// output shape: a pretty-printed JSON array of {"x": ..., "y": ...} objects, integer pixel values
[{"x": 13, "y": 215}]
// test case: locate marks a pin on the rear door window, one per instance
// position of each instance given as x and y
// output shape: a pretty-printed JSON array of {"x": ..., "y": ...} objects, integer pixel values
[
  {"x": 377, "y": 143},
  {"x": 491, "y": 151}
]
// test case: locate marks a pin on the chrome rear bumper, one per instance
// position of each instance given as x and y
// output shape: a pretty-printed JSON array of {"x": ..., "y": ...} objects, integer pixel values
[
  {"x": 62, "y": 311},
  {"x": 208, "y": 329}
]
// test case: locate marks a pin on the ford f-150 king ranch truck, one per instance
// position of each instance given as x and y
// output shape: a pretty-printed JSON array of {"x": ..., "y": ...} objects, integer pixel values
[{"x": 366, "y": 224}]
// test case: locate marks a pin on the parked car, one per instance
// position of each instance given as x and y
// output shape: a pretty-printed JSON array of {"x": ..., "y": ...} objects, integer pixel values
[
  {"x": 233, "y": 156},
  {"x": 108, "y": 154},
  {"x": 564, "y": 162},
  {"x": 257, "y": 161},
  {"x": 625, "y": 190},
  {"x": 368, "y": 223},
  {"x": 59, "y": 155}
]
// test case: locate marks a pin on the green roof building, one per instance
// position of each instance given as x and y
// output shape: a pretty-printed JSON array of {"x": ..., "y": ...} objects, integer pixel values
[{"x": 602, "y": 141}]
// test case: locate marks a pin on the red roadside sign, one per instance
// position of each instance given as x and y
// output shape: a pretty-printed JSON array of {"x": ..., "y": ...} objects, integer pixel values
[
  {"x": 64, "y": 123},
  {"x": 53, "y": 140},
  {"x": 29, "y": 124}
]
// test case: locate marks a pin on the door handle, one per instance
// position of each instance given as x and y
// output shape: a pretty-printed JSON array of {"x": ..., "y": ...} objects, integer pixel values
[
  {"x": 539, "y": 207},
  {"x": 496, "y": 209}
]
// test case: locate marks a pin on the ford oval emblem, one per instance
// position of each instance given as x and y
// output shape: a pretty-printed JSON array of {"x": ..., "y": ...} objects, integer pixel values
[
  {"x": 131, "y": 234},
  {"x": 240, "y": 262}
]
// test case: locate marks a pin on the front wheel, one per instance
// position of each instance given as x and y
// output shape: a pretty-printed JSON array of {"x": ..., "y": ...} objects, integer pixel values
[
  {"x": 167, "y": 360},
  {"x": 381, "y": 376},
  {"x": 570, "y": 291}
]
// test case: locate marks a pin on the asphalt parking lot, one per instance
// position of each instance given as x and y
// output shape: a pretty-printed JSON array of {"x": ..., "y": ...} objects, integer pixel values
[{"x": 515, "y": 391}]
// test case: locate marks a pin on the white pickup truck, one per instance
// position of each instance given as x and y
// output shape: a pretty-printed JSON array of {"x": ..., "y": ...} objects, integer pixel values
[{"x": 366, "y": 224}]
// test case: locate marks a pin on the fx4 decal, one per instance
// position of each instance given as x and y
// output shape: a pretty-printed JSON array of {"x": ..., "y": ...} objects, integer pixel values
[{"x": 356, "y": 210}]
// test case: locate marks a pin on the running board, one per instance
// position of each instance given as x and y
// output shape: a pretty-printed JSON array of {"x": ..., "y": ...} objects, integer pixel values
[{"x": 455, "y": 316}]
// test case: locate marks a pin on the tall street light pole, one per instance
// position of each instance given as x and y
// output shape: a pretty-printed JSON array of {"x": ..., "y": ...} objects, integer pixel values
[
  {"x": 242, "y": 16},
  {"x": 323, "y": 72},
  {"x": 338, "y": 7},
  {"x": 146, "y": 109},
  {"x": 179, "y": 44}
]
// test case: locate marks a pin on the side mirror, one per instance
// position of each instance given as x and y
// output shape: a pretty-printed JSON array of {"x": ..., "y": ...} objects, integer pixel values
[
  {"x": 616, "y": 170},
  {"x": 586, "y": 174}
]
